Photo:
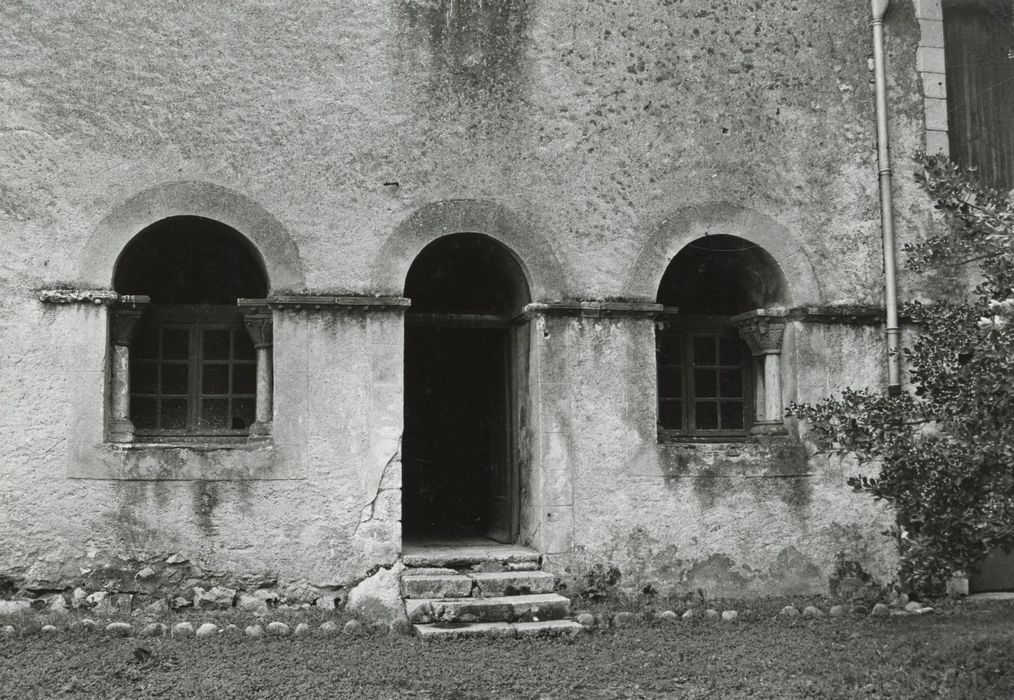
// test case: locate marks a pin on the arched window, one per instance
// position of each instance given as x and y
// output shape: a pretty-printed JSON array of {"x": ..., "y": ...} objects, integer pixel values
[
  {"x": 193, "y": 366},
  {"x": 710, "y": 382}
]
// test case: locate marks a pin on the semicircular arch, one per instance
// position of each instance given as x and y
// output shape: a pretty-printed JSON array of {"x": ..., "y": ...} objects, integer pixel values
[
  {"x": 192, "y": 198},
  {"x": 538, "y": 261},
  {"x": 695, "y": 222}
]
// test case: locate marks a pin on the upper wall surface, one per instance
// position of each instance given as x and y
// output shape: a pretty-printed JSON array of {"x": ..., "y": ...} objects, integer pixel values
[{"x": 593, "y": 123}]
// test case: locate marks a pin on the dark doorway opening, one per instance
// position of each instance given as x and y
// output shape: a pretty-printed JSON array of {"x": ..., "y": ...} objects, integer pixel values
[{"x": 459, "y": 454}]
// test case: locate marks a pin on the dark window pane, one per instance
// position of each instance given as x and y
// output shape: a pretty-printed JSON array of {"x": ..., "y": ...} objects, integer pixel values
[
  {"x": 244, "y": 379},
  {"x": 144, "y": 378},
  {"x": 143, "y": 412},
  {"x": 174, "y": 414},
  {"x": 670, "y": 351},
  {"x": 670, "y": 382},
  {"x": 730, "y": 351},
  {"x": 215, "y": 379},
  {"x": 216, "y": 344},
  {"x": 175, "y": 379},
  {"x": 706, "y": 415},
  {"x": 242, "y": 413},
  {"x": 145, "y": 343},
  {"x": 176, "y": 343},
  {"x": 704, "y": 351},
  {"x": 242, "y": 347},
  {"x": 731, "y": 383},
  {"x": 705, "y": 383},
  {"x": 670, "y": 414},
  {"x": 215, "y": 414},
  {"x": 732, "y": 415}
]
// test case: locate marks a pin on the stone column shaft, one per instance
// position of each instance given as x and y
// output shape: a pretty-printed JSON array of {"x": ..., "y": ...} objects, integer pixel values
[
  {"x": 258, "y": 320},
  {"x": 762, "y": 330},
  {"x": 124, "y": 317}
]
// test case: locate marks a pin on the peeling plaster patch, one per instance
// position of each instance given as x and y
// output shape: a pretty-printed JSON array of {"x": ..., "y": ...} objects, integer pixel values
[
  {"x": 718, "y": 575},
  {"x": 795, "y": 574}
]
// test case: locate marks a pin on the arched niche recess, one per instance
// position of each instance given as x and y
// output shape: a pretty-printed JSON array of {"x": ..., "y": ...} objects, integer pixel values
[
  {"x": 191, "y": 357},
  {"x": 644, "y": 276},
  {"x": 278, "y": 251}
]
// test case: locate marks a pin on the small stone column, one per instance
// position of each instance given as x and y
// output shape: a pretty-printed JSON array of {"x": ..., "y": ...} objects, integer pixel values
[
  {"x": 124, "y": 315},
  {"x": 762, "y": 330},
  {"x": 257, "y": 318}
]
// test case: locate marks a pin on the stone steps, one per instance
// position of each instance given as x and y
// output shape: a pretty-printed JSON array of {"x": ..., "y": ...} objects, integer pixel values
[
  {"x": 464, "y": 630},
  {"x": 471, "y": 591},
  {"x": 451, "y": 584},
  {"x": 513, "y": 608}
]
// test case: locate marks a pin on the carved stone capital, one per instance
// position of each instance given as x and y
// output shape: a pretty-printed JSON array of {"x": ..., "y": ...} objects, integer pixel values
[
  {"x": 762, "y": 330},
  {"x": 124, "y": 317},
  {"x": 257, "y": 318}
]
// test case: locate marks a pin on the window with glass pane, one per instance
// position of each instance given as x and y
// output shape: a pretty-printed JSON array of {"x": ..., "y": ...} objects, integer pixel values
[
  {"x": 702, "y": 380},
  {"x": 194, "y": 378}
]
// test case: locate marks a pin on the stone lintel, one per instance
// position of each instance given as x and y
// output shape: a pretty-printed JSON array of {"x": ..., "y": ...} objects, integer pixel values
[
  {"x": 851, "y": 315},
  {"x": 308, "y": 302},
  {"x": 593, "y": 309}
]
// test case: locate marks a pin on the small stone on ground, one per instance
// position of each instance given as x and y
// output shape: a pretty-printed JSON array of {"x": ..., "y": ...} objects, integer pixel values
[
  {"x": 586, "y": 619},
  {"x": 880, "y": 610},
  {"x": 837, "y": 611},
  {"x": 812, "y": 612},
  {"x": 183, "y": 629},
  {"x": 730, "y": 615},
  {"x": 254, "y": 631},
  {"x": 789, "y": 611},
  {"x": 278, "y": 629},
  {"x": 208, "y": 629},
  {"x": 119, "y": 629},
  {"x": 711, "y": 614}
]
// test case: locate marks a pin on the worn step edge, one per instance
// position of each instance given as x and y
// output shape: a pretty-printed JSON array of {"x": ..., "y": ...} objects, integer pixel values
[
  {"x": 476, "y": 585},
  {"x": 462, "y": 630},
  {"x": 454, "y": 559},
  {"x": 542, "y": 606}
]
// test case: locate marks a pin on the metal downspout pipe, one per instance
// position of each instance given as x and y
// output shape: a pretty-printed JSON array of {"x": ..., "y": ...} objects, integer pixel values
[{"x": 879, "y": 9}]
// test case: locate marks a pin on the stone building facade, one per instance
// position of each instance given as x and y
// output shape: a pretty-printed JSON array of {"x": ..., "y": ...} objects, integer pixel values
[{"x": 287, "y": 286}]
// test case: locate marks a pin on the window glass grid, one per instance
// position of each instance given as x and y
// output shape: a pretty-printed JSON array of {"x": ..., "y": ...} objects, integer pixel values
[
  {"x": 708, "y": 394},
  {"x": 168, "y": 373}
]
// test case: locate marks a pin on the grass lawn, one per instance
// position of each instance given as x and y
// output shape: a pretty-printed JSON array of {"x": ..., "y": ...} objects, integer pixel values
[{"x": 966, "y": 652}]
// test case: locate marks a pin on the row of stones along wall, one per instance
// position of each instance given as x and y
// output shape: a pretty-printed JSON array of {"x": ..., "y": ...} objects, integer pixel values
[{"x": 592, "y": 123}]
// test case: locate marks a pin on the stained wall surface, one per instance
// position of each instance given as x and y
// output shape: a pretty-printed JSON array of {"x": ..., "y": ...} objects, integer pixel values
[{"x": 594, "y": 140}]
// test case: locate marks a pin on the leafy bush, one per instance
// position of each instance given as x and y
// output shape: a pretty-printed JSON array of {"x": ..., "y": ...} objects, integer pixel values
[{"x": 945, "y": 448}]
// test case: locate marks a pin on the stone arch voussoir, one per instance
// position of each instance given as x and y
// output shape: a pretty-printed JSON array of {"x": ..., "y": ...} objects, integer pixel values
[
  {"x": 191, "y": 198},
  {"x": 687, "y": 225},
  {"x": 540, "y": 264}
]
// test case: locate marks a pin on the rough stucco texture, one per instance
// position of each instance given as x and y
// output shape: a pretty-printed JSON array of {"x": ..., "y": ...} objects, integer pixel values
[{"x": 593, "y": 121}]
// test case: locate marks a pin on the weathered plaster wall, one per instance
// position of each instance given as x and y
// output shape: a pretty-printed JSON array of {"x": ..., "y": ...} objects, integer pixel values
[
  {"x": 322, "y": 509},
  {"x": 588, "y": 126},
  {"x": 726, "y": 518}
]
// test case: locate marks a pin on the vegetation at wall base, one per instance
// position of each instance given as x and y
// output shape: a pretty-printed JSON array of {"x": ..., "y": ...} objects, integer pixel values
[{"x": 945, "y": 448}]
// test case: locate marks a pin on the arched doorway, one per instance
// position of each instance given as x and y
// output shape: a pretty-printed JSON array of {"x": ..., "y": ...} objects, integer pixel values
[{"x": 463, "y": 377}]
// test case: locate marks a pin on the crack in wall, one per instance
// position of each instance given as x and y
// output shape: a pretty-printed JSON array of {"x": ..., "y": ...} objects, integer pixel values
[{"x": 369, "y": 510}]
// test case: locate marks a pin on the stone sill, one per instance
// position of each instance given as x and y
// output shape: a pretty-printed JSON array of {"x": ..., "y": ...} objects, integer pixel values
[
  {"x": 749, "y": 457},
  {"x": 156, "y": 461}
]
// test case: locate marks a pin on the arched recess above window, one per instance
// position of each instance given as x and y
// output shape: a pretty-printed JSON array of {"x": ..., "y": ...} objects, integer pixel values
[
  {"x": 713, "y": 378},
  {"x": 189, "y": 362}
]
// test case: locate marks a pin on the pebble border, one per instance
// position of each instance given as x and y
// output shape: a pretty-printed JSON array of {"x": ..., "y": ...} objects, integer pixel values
[{"x": 331, "y": 628}]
